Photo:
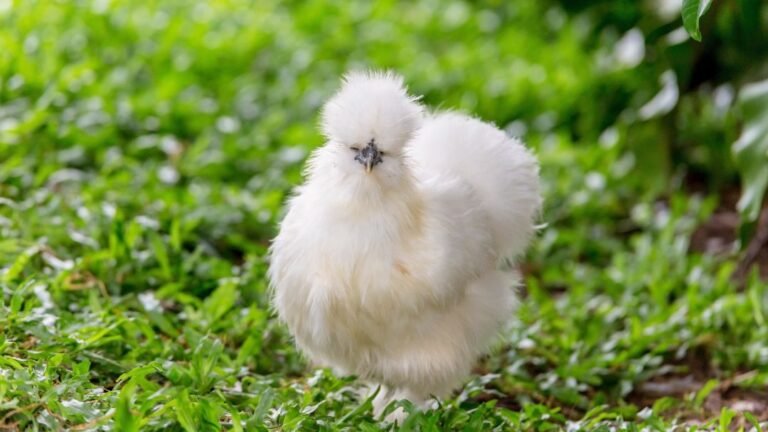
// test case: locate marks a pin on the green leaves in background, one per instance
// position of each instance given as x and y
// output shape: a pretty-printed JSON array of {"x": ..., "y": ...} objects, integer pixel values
[
  {"x": 198, "y": 416},
  {"x": 125, "y": 419},
  {"x": 692, "y": 12},
  {"x": 751, "y": 150}
]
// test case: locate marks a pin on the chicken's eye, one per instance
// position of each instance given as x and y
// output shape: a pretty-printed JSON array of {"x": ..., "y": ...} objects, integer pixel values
[{"x": 381, "y": 153}]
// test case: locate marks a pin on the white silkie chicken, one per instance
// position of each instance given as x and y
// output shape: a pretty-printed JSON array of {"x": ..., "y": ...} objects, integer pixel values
[{"x": 388, "y": 264}]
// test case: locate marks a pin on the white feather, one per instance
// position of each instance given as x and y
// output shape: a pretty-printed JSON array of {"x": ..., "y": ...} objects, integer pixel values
[{"x": 393, "y": 275}]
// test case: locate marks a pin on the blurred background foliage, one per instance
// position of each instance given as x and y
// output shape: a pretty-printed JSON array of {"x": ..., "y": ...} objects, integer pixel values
[{"x": 146, "y": 149}]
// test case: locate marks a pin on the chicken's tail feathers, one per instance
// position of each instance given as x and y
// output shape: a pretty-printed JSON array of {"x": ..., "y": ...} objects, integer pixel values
[{"x": 500, "y": 168}]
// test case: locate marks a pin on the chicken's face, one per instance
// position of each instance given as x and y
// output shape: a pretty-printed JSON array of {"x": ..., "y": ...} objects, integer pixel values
[
  {"x": 366, "y": 164},
  {"x": 367, "y": 122},
  {"x": 368, "y": 156}
]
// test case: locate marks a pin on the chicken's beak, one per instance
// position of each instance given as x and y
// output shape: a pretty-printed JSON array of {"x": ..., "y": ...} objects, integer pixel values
[{"x": 369, "y": 156}]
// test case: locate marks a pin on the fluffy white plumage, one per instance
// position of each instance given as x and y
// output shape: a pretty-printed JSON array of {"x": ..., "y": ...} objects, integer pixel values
[{"x": 388, "y": 261}]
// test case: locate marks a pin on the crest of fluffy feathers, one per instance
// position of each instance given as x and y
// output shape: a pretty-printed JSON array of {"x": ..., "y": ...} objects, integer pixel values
[{"x": 388, "y": 261}]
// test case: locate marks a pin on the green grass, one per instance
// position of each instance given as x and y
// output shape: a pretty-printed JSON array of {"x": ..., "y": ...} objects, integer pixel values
[{"x": 146, "y": 149}]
